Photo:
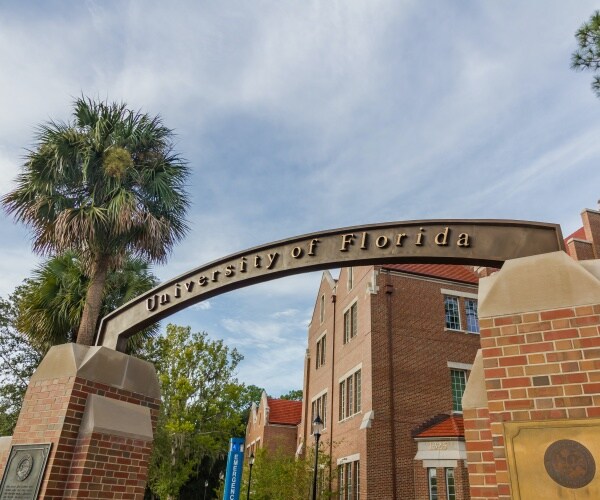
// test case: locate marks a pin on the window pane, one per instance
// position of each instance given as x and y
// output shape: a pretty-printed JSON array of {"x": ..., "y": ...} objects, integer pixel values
[
  {"x": 357, "y": 479},
  {"x": 342, "y": 400},
  {"x": 349, "y": 481},
  {"x": 349, "y": 397},
  {"x": 450, "y": 488},
  {"x": 354, "y": 310},
  {"x": 341, "y": 485},
  {"x": 323, "y": 349},
  {"x": 472, "y": 321},
  {"x": 452, "y": 314},
  {"x": 346, "y": 326},
  {"x": 324, "y": 399},
  {"x": 318, "y": 360},
  {"x": 322, "y": 309},
  {"x": 358, "y": 391},
  {"x": 433, "y": 493},
  {"x": 459, "y": 382}
]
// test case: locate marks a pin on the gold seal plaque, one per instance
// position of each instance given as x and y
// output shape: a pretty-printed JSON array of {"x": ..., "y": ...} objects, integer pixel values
[
  {"x": 553, "y": 459},
  {"x": 569, "y": 463}
]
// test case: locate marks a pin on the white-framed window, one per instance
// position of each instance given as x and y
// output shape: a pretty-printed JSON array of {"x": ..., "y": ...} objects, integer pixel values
[
  {"x": 319, "y": 407},
  {"x": 349, "y": 480},
  {"x": 458, "y": 379},
  {"x": 471, "y": 315},
  {"x": 350, "y": 395},
  {"x": 452, "y": 312},
  {"x": 351, "y": 322},
  {"x": 322, "y": 309},
  {"x": 450, "y": 484},
  {"x": 350, "y": 282},
  {"x": 321, "y": 350},
  {"x": 433, "y": 486}
]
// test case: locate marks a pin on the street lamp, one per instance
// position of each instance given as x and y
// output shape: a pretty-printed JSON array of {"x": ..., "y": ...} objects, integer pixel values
[
  {"x": 317, "y": 428},
  {"x": 251, "y": 463},
  {"x": 205, "y": 487}
]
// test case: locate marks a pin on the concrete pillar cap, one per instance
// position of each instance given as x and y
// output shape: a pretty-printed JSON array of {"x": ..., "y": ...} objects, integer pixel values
[{"x": 102, "y": 365}]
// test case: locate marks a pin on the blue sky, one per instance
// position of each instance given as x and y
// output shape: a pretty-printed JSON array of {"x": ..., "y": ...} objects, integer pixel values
[{"x": 301, "y": 116}]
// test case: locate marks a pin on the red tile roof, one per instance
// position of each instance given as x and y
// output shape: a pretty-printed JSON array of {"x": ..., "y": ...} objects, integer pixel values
[
  {"x": 444, "y": 271},
  {"x": 283, "y": 411},
  {"x": 451, "y": 426},
  {"x": 579, "y": 234}
]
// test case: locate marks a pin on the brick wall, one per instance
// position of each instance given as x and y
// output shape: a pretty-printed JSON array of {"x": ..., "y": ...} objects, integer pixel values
[
  {"x": 542, "y": 365},
  {"x": 280, "y": 439},
  {"x": 480, "y": 454},
  {"x": 108, "y": 466},
  {"x": 421, "y": 481},
  {"x": 421, "y": 350}
]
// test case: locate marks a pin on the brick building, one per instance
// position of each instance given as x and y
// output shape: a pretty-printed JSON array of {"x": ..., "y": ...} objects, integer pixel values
[
  {"x": 389, "y": 352},
  {"x": 273, "y": 425}
]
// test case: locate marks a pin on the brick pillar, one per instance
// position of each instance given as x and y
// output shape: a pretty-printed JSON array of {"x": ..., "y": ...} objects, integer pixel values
[
  {"x": 537, "y": 378},
  {"x": 98, "y": 408}
]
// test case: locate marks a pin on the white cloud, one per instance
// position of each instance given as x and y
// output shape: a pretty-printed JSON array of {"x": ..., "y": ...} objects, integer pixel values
[
  {"x": 298, "y": 117},
  {"x": 202, "y": 306}
]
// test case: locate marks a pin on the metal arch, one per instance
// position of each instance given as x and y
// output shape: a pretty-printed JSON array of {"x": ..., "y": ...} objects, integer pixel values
[{"x": 446, "y": 241}]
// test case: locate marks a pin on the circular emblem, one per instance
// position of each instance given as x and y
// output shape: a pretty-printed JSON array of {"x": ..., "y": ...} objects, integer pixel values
[
  {"x": 24, "y": 467},
  {"x": 569, "y": 463}
]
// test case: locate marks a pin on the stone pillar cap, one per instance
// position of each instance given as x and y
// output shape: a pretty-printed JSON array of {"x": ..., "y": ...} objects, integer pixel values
[
  {"x": 102, "y": 365},
  {"x": 539, "y": 283}
]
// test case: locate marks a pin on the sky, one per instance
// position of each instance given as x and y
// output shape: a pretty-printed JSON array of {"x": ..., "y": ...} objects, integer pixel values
[{"x": 299, "y": 116}]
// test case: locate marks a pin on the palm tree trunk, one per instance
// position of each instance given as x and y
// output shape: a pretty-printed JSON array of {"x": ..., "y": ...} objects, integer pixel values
[{"x": 93, "y": 302}]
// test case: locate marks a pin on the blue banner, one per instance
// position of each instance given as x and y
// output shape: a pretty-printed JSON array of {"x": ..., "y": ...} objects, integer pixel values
[{"x": 235, "y": 465}]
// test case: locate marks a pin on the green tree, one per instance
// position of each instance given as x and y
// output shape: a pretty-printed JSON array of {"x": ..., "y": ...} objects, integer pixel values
[
  {"x": 52, "y": 301},
  {"x": 202, "y": 407},
  {"x": 587, "y": 55},
  {"x": 18, "y": 361},
  {"x": 105, "y": 185},
  {"x": 277, "y": 476},
  {"x": 293, "y": 395}
]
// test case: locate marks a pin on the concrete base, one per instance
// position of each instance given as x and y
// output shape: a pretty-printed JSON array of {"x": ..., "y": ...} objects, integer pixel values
[{"x": 98, "y": 408}]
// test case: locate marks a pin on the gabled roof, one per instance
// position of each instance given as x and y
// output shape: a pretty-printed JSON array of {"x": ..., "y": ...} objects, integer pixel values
[
  {"x": 444, "y": 271},
  {"x": 579, "y": 234},
  {"x": 283, "y": 411},
  {"x": 451, "y": 426}
]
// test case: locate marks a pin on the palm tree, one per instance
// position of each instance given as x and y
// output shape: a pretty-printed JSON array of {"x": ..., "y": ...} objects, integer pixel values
[
  {"x": 51, "y": 303},
  {"x": 105, "y": 185}
]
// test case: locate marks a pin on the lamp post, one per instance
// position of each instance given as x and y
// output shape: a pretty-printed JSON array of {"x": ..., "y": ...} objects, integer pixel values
[
  {"x": 205, "y": 488},
  {"x": 250, "y": 463},
  {"x": 317, "y": 428}
]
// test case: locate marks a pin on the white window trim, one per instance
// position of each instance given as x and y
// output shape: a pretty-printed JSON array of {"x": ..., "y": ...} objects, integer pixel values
[
  {"x": 314, "y": 398},
  {"x": 321, "y": 309},
  {"x": 349, "y": 458},
  {"x": 460, "y": 366},
  {"x": 456, "y": 293},
  {"x": 347, "y": 308},
  {"x": 352, "y": 371},
  {"x": 446, "y": 329},
  {"x": 320, "y": 337}
]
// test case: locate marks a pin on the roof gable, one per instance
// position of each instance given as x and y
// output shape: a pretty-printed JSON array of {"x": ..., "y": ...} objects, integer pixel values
[
  {"x": 451, "y": 426},
  {"x": 442, "y": 271},
  {"x": 283, "y": 411}
]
